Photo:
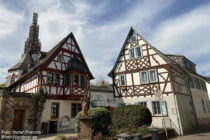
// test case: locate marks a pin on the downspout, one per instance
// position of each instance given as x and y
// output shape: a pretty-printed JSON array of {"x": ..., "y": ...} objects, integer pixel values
[
  {"x": 196, "y": 119},
  {"x": 176, "y": 107},
  {"x": 177, "y": 116}
]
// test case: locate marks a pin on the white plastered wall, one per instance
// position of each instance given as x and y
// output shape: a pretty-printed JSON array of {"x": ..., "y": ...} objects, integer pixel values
[{"x": 64, "y": 110}]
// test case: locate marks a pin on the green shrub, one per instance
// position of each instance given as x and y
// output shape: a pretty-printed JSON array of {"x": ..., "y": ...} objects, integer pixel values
[
  {"x": 100, "y": 120},
  {"x": 60, "y": 137},
  {"x": 132, "y": 116},
  {"x": 77, "y": 122},
  {"x": 143, "y": 130}
]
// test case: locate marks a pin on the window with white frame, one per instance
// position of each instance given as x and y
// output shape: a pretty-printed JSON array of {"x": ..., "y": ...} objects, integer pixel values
[
  {"x": 138, "y": 52},
  {"x": 157, "y": 106},
  {"x": 131, "y": 53},
  {"x": 135, "y": 52},
  {"x": 152, "y": 76},
  {"x": 122, "y": 80},
  {"x": 144, "y": 77}
]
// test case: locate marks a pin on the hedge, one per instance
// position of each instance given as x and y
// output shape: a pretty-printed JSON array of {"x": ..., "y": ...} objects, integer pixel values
[
  {"x": 132, "y": 116},
  {"x": 100, "y": 120}
]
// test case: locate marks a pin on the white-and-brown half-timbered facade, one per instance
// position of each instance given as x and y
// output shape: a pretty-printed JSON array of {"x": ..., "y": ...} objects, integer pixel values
[
  {"x": 63, "y": 73},
  {"x": 141, "y": 70}
]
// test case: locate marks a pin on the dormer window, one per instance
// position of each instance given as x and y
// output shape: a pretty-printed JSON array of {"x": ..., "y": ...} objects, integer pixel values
[{"x": 135, "y": 52}]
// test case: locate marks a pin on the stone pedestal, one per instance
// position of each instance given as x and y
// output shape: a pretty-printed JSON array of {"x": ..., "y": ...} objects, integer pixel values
[{"x": 85, "y": 129}]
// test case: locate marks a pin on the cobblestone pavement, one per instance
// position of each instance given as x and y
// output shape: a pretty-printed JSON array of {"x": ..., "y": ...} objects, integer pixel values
[{"x": 201, "y": 133}]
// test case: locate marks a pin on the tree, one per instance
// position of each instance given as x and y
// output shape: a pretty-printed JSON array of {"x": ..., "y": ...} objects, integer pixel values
[
  {"x": 3, "y": 85},
  {"x": 102, "y": 82},
  {"x": 40, "y": 98}
]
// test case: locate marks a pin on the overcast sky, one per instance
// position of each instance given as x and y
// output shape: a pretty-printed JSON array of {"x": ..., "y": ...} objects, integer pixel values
[{"x": 100, "y": 27}]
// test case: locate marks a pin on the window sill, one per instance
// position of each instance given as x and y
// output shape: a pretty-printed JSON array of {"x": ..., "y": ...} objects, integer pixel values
[{"x": 159, "y": 115}]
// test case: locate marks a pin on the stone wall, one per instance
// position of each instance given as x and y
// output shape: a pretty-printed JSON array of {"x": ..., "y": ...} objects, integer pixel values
[{"x": 10, "y": 101}]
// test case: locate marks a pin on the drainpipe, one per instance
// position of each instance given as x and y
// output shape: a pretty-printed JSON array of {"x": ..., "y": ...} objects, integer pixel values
[
  {"x": 177, "y": 116},
  {"x": 196, "y": 119},
  {"x": 175, "y": 103}
]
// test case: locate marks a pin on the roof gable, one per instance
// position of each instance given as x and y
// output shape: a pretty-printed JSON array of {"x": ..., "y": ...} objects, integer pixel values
[{"x": 51, "y": 54}]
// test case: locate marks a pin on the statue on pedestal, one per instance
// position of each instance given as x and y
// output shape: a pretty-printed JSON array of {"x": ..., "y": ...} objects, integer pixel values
[
  {"x": 85, "y": 106},
  {"x": 85, "y": 129}
]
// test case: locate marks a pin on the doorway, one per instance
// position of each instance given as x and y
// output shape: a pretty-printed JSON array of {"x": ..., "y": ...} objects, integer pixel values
[{"x": 18, "y": 120}]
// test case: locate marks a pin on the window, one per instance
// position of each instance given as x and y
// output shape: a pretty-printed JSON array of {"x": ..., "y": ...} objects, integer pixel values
[
  {"x": 50, "y": 78},
  {"x": 75, "y": 108},
  {"x": 144, "y": 77},
  {"x": 203, "y": 85},
  {"x": 131, "y": 53},
  {"x": 59, "y": 58},
  {"x": 133, "y": 38},
  {"x": 135, "y": 52},
  {"x": 142, "y": 103},
  {"x": 54, "y": 110},
  {"x": 67, "y": 80},
  {"x": 157, "y": 106},
  {"x": 203, "y": 104},
  {"x": 76, "y": 79},
  {"x": 122, "y": 80},
  {"x": 191, "y": 82},
  {"x": 57, "y": 79},
  {"x": 197, "y": 82},
  {"x": 191, "y": 107},
  {"x": 152, "y": 76},
  {"x": 138, "y": 51},
  {"x": 82, "y": 81},
  {"x": 207, "y": 104}
]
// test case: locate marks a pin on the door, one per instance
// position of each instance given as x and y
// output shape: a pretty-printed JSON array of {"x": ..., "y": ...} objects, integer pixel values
[{"x": 18, "y": 120}]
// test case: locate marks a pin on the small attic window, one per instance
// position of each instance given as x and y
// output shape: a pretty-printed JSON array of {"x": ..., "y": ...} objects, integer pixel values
[
  {"x": 59, "y": 58},
  {"x": 133, "y": 38}
]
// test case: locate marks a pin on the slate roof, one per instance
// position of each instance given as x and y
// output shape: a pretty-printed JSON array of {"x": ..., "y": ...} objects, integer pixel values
[
  {"x": 23, "y": 63},
  {"x": 48, "y": 57},
  {"x": 75, "y": 64}
]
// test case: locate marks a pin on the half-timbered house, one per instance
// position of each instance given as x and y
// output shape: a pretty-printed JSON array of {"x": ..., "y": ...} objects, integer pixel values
[
  {"x": 141, "y": 70},
  {"x": 62, "y": 72}
]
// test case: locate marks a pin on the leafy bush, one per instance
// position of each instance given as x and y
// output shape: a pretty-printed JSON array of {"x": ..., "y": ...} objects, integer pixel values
[
  {"x": 143, "y": 130},
  {"x": 132, "y": 116},
  {"x": 100, "y": 120},
  {"x": 77, "y": 122}
]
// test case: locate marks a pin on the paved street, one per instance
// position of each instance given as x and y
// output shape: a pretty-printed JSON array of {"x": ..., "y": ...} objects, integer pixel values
[{"x": 201, "y": 133}]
